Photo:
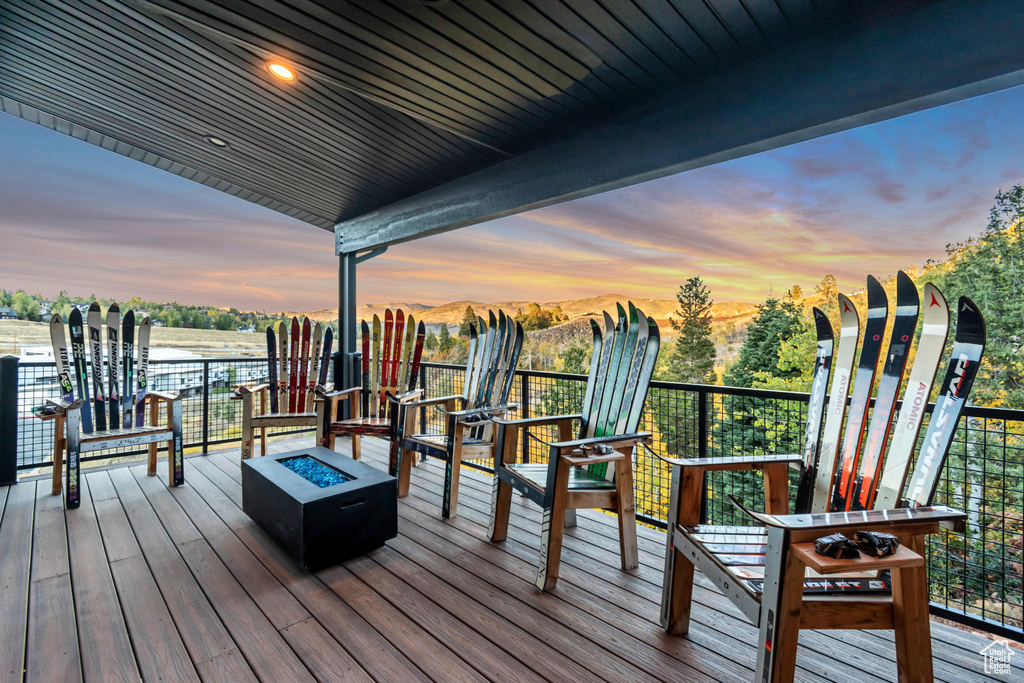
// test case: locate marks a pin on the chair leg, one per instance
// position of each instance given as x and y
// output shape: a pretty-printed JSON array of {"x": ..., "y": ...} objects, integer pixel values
[
  {"x": 72, "y": 493},
  {"x": 910, "y": 619},
  {"x": 507, "y": 439},
  {"x": 551, "y": 526},
  {"x": 154, "y": 417},
  {"x": 570, "y": 518},
  {"x": 356, "y": 449},
  {"x": 404, "y": 474},
  {"x": 175, "y": 450},
  {"x": 780, "y": 611},
  {"x": 677, "y": 586},
  {"x": 453, "y": 467},
  {"x": 58, "y": 455},
  {"x": 776, "y": 488},
  {"x": 626, "y": 508}
]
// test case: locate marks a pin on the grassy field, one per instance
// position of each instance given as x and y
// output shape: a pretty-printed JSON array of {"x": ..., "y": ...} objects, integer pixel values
[{"x": 15, "y": 334}]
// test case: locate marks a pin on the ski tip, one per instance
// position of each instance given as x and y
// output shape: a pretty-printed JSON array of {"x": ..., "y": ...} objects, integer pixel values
[
  {"x": 620, "y": 310},
  {"x": 609, "y": 323},
  {"x": 848, "y": 316},
  {"x": 876, "y": 295},
  {"x": 633, "y": 312},
  {"x": 55, "y": 319},
  {"x": 75, "y": 317},
  {"x": 935, "y": 308},
  {"x": 388, "y": 315},
  {"x": 970, "y": 324},
  {"x": 906, "y": 291},
  {"x": 113, "y": 308},
  {"x": 822, "y": 325},
  {"x": 595, "y": 328},
  {"x": 492, "y": 319},
  {"x": 364, "y": 327},
  {"x": 94, "y": 307}
]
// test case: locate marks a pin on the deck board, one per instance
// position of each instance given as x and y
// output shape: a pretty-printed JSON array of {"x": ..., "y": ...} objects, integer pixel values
[{"x": 178, "y": 584}]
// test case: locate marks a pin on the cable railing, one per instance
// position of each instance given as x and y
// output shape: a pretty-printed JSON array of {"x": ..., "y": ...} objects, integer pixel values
[{"x": 975, "y": 576}]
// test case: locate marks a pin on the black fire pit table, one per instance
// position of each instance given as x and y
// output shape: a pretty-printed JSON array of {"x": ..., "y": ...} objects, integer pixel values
[{"x": 320, "y": 506}]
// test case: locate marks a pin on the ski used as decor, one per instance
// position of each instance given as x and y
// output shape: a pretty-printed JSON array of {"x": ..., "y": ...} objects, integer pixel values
[
  {"x": 325, "y": 356},
  {"x": 128, "y": 370},
  {"x": 385, "y": 355},
  {"x": 904, "y": 323},
  {"x": 815, "y": 408},
  {"x": 95, "y": 322},
  {"x": 142, "y": 370},
  {"x": 849, "y": 333},
  {"x": 114, "y": 364},
  {"x": 60, "y": 357},
  {"x": 303, "y": 383},
  {"x": 874, "y": 331},
  {"x": 314, "y": 363},
  {"x": 282, "y": 366},
  {"x": 293, "y": 365},
  {"x": 272, "y": 367}
]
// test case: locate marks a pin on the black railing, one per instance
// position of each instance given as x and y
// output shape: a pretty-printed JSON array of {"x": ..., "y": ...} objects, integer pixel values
[{"x": 975, "y": 577}]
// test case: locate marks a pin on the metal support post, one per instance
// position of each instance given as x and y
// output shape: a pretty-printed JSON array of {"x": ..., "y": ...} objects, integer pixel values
[{"x": 8, "y": 420}]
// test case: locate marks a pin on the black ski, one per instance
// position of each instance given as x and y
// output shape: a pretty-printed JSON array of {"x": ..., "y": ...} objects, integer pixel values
[
  {"x": 968, "y": 347},
  {"x": 904, "y": 323},
  {"x": 272, "y": 362},
  {"x": 325, "y": 356},
  {"x": 81, "y": 373},
  {"x": 60, "y": 357},
  {"x": 815, "y": 409},
  {"x": 874, "y": 330},
  {"x": 96, "y": 356},
  {"x": 128, "y": 371},
  {"x": 114, "y": 364}
]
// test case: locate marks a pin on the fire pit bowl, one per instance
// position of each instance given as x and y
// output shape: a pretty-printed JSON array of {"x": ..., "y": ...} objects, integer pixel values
[{"x": 321, "y": 507}]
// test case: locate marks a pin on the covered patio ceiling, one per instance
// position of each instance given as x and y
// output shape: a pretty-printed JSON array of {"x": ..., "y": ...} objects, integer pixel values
[{"x": 412, "y": 117}]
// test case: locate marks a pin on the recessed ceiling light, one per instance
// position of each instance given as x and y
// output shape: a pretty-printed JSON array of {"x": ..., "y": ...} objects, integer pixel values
[
  {"x": 280, "y": 71},
  {"x": 216, "y": 141}
]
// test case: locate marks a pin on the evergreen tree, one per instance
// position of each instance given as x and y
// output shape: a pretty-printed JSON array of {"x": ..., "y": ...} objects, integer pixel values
[
  {"x": 776, "y": 321},
  {"x": 444, "y": 340},
  {"x": 468, "y": 318},
  {"x": 430, "y": 343},
  {"x": 693, "y": 357}
]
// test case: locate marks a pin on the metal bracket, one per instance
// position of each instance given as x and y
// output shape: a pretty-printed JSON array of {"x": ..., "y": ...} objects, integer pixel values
[{"x": 367, "y": 255}]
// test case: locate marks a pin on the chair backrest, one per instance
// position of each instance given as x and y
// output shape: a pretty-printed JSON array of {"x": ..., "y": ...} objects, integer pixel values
[
  {"x": 621, "y": 366},
  {"x": 861, "y": 473},
  {"x": 391, "y": 359},
  {"x": 298, "y": 356},
  {"x": 492, "y": 360},
  {"x": 107, "y": 402}
]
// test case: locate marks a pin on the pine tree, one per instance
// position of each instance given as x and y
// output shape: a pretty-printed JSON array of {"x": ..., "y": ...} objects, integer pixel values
[
  {"x": 693, "y": 358},
  {"x": 468, "y": 318},
  {"x": 776, "y": 321},
  {"x": 444, "y": 340},
  {"x": 431, "y": 341}
]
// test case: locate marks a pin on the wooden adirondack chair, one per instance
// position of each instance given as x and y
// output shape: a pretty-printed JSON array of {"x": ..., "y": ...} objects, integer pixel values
[
  {"x": 390, "y": 365},
  {"x": 490, "y": 370},
  {"x": 298, "y": 364},
  {"x": 774, "y": 575},
  {"x": 81, "y": 414},
  {"x": 596, "y": 469}
]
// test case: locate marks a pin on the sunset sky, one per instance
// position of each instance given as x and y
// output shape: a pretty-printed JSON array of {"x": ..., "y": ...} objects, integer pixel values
[{"x": 871, "y": 200}]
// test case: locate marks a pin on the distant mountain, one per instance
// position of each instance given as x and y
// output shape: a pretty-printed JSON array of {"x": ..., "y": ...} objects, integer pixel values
[{"x": 739, "y": 312}]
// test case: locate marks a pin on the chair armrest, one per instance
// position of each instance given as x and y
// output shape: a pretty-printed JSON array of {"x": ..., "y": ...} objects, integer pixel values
[
  {"x": 471, "y": 412},
  {"x": 323, "y": 394},
  {"x": 242, "y": 390},
  {"x": 634, "y": 438},
  {"x": 739, "y": 462},
  {"x": 53, "y": 408},
  {"x": 867, "y": 519},
  {"x": 409, "y": 396},
  {"x": 538, "y": 421},
  {"x": 583, "y": 460},
  {"x": 163, "y": 396},
  {"x": 425, "y": 401}
]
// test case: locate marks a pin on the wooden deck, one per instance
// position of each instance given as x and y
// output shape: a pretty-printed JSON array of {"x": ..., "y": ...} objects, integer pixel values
[{"x": 180, "y": 585}]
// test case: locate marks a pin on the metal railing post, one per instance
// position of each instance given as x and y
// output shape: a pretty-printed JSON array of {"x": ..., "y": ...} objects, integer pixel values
[
  {"x": 423, "y": 409},
  {"x": 8, "y": 420},
  {"x": 206, "y": 406},
  {"x": 523, "y": 440},
  {"x": 702, "y": 447}
]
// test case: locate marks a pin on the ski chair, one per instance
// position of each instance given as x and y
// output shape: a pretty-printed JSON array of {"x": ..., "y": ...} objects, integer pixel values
[
  {"x": 772, "y": 572},
  {"x": 297, "y": 366},
  {"x": 469, "y": 435},
  {"x": 81, "y": 414},
  {"x": 390, "y": 365},
  {"x": 596, "y": 469}
]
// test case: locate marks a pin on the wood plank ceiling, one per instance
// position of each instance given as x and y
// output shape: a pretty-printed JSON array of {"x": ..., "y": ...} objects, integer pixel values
[{"x": 391, "y": 99}]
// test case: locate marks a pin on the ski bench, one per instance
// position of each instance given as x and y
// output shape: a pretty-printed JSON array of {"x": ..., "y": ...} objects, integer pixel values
[{"x": 81, "y": 424}]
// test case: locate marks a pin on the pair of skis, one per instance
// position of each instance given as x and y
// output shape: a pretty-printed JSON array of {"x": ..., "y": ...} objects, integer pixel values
[
  {"x": 298, "y": 367},
  {"x": 392, "y": 367}
]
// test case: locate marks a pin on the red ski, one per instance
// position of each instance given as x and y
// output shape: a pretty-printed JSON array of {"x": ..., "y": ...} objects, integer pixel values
[
  {"x": 293, "y": 367},
  {"x": 304, "y": 366}
]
